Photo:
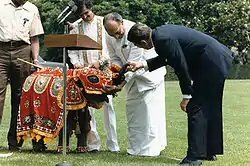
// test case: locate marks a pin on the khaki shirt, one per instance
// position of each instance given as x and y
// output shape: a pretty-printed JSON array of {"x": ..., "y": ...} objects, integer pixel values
[{"x": 19, "y": 23}]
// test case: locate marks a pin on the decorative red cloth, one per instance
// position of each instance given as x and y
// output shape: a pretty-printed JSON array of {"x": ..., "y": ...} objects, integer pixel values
[{"x": 41, "y": 103}]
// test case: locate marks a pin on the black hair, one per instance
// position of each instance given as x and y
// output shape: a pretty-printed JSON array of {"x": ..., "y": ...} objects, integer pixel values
[
  {"x": 139, "y": 32},
  {"x": 88, "y": 4}
]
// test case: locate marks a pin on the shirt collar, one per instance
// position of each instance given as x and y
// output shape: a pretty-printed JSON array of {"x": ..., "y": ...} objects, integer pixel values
[
  {"x": 8, "y": 2},
  {"x": 125, "y": 37},
  {"x": 25, "y": 6}
]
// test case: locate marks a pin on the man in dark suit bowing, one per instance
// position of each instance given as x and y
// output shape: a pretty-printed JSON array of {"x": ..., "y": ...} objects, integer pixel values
[{"x": 202, "y": 65}]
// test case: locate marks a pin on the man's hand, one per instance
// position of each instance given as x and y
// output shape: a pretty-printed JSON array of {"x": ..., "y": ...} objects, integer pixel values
[
  {"x": 40, "y": 68},
  {"x": 133, "y": 66},
  {"x": 35, "y": 61},
  {"x": 77, "y": 66},
  {"x": 70, "y": 25},
  {"x": 183, "y": 104},
  {"x": 95, "y": 65},
  {"x": 111, "y": 89}
]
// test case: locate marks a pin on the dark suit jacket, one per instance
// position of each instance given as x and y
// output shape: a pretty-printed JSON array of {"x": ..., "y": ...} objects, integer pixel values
[{"x": 193, "y": 55}]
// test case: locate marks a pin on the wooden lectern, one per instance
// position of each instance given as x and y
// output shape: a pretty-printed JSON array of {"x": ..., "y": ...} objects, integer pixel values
[{"x": 70, "y": 42}]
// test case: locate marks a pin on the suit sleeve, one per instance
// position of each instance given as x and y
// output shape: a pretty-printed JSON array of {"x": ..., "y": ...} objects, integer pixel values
[
  {"x": 171, "y": 53},
  {"x": 156, "y": 62}
]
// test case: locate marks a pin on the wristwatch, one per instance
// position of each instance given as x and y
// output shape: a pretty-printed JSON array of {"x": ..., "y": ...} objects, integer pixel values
[{"x": 101, "y": 62}]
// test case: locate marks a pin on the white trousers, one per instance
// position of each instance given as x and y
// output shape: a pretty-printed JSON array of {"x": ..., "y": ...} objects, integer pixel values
[
  {"x": 145, "y": 113},
  {"x": 109, "y": 120}
]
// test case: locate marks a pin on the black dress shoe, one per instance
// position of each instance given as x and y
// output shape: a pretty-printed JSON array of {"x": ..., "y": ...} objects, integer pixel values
[
  {"x": 211, "y": 158},
  {"x": 14, "y": 148},
  {"x": 190, "y": 162}
]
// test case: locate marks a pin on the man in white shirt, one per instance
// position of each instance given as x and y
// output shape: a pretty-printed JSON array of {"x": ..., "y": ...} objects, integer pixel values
[
  {"x": 20, "y": 26},
  {"x": 91, "y": 25},
  {"x": 145, "y": 91}
]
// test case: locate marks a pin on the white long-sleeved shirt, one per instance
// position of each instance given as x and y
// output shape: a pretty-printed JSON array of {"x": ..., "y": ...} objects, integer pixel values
[
  {"x": 122, "y": 51},
  {"x": 90, "y": 30}
]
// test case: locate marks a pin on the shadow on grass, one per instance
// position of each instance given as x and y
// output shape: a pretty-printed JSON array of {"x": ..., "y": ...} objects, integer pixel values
[
  {"x": 162, "y": 159},
  {"x": 101, "y": 156}
]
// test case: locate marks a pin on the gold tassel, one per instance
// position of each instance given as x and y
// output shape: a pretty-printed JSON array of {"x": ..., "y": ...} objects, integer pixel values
[
  {"x": 52, "y": 141},
  {"x": 38, "y": 137},
  {"x": 18, "y": 139},
  {"x": 25, "y": 137},
  {"x": 33, "y": 135},
  {"x": 45, "y": 140}
]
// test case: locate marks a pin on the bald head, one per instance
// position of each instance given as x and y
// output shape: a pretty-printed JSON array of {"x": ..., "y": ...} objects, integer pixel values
[
  {"x": 112, "y": 17},
  {"x": 113, "y": 24}
]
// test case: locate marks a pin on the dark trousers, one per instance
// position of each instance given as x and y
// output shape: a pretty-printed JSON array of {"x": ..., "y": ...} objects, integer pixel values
[
  {"x": 204, "y": 110},
  {"x": 83, "y": 118},
  {"x": 16, "y": 72}
]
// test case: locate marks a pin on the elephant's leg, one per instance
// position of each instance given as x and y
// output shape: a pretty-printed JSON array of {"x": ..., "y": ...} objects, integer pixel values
[
  {"x": 39, "y": 146},
  {"x": 84, "y": 124},
  {"x": 70, "y": 120}
]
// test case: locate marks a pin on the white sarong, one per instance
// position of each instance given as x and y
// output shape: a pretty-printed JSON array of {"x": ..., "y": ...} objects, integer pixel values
[{"x": 146, "y": 121}]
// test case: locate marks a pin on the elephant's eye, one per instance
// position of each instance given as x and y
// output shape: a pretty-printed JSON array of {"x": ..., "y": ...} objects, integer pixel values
[{"x": 93, "y": 79}]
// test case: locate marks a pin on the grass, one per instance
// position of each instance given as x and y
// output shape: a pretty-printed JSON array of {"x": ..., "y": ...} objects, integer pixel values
[{"x": 236, "y": 135}]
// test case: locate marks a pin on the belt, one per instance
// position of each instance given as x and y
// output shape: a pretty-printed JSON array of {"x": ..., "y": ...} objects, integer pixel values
[{"x": 13, "y": 43}]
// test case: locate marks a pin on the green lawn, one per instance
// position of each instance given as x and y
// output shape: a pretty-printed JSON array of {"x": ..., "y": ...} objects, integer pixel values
[{"x": 236, "y": 135}]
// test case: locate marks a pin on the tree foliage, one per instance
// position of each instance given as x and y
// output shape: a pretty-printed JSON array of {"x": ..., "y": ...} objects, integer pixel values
[
  {"x": 229, "y": 22},
  {"x": 49, "y": 11},
  {"x": 226, "y": 20}
]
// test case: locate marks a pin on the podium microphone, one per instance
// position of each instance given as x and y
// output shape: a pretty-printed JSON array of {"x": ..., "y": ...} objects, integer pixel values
[
  {"x": 73, "y": 10},
  {"x": 69, "y": 6}
]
